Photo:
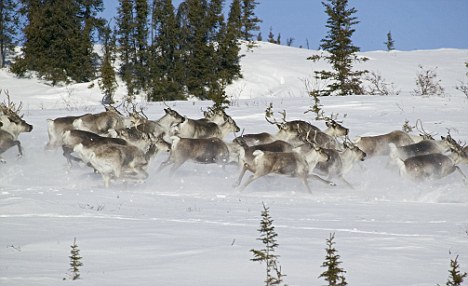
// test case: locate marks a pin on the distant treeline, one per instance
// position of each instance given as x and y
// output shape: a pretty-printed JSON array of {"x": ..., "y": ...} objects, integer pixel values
[{"x": 156, "y": 49}]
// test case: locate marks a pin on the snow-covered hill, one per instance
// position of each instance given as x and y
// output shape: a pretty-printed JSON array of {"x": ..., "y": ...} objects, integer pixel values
[{"x": 196, "y": 229}]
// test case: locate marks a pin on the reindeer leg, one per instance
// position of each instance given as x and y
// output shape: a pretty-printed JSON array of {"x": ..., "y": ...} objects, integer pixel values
[
  {"x": 175, "y": 166},
  {"x": 306, "y": 183},
  {"x": 67, "y": 153},
  {"x": 20, "y": 150},
  {"x": 347, "y": 183},
  {"x": 165, "y": 164},
  {"x": 249, "y": 180},
  {"x": 241, "y": 175},
  {"x": 322, "y": 180},
  {"x": 460, "y": 171}
]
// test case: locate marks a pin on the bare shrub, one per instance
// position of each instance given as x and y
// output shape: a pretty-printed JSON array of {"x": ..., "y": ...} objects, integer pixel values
[
  {"x": 427, "y": 83},
  {"x": 377, "y": 85}
]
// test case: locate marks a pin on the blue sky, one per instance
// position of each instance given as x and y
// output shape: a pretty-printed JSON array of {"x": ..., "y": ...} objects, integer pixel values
[{"x": 414, "y": 24}]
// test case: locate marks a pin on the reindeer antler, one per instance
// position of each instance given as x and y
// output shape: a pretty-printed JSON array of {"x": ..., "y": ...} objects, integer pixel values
[
  {"x": 269, "y": 113},
  {"x": 10, "y": 108},
  {"x": 424, "y": 134}
]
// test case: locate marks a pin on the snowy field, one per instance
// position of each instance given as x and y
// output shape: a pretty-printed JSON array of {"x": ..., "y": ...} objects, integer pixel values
[{"x": 196, "y": 229}]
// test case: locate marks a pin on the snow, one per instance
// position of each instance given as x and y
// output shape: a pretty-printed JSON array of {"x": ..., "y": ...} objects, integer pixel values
[{"x": 196, "y": 229}]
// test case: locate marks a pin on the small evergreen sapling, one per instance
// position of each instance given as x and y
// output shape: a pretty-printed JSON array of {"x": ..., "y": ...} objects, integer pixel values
[
  {"x": 75, "y": 261},
  {"x": 267, "y": 254},
  {"x": 455, "y": 277},
  {"x": 333, "y": 274}
]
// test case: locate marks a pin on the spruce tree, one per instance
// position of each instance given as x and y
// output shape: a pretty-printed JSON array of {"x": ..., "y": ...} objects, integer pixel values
[
  {"x": 229, "y": 47},
  {"x": 271, "y": 36},
  {"x": 84, "y": 68},
  {"x": 165, "y": 58},
  {"x": 341, "y": 51},
  {"x": 250, "y": 22},
  {"x": 456, "y": 278},
  {"x": 126, "y": 43},
  {"x": 58, "y": 40},
  {"x": 333, "y": 273},
  {"x": 107, "y": 81},
  {"x": 9, "y": 28},
  {"x": 141, "y": 34},
  {"x": 267, "y": 254},
  {"x": 75, "y": 261},
  {"x": 390, "y": 43}
]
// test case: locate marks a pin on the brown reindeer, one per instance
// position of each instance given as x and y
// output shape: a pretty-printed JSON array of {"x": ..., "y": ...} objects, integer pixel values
[
  {"x": 423, "y": 147},
  {"x": 11, "y": 125},
  {"x": 431, "y": 166},
  {"x": 200, "y": 150},
  {"x": 379, "y": 145},
  {"x": 246, "y": 156},
  {"x": 339, "y": 162},
  {"x": 114, "y": 160},
  {"x": 100, "y": 123},
  {"x": 202, "y": 128},
  {"x": 295, "y": 164}
]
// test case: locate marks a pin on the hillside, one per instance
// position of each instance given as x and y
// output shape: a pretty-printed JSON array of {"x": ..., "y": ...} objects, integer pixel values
[{"x": 195, "y": 228}]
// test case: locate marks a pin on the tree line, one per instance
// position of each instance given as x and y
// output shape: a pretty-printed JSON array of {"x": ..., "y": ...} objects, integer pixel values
[
  {"x": 164, "y": 52},
  {"x": 157, "y": 49}
]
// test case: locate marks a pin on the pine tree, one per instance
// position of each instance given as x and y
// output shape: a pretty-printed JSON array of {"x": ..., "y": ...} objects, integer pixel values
[
  {"x": 84, "y": 67},
  {"x": 141, "y": 34},
  {"x": 58, "y": 40},
  {"x": 456, "y": 278},
  {"x": 333, "y": 273},
  {"x": 342, "y": 52},
  {"x": 108, "y": 82},
  {"x": 9, "y": 28},
  {"x": 126, "y": 43},
  {"x": 271, "y": 36},
  {"x": 229, "y": 67},
  {"x": 390, "y": 43},
  {"x": 75, "y": 261},
  {"x": 267, "y": 254},
  {"x": 165, "y": 64},
  {"x": 250, "y": 22}
]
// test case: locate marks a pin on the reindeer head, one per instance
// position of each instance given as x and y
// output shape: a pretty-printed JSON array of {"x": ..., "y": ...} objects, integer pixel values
[
  {"x": 337, "y": 128},
  {"x": 10, "y": 119}
]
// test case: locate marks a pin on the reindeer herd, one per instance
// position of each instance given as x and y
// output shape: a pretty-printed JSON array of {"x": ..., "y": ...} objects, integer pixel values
[{"x": 120, "y": 147}]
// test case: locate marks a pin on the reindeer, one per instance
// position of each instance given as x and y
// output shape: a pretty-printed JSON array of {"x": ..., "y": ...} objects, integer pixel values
[
  {"x": 103, "y": 121},
  {"x": 201, "y": 128},
  {"x": 11, "y": 125},
  {"x": 379, "y": 145},
  {"x": 56, "y": 128},
  {"x": 295, "y": 164},
  {"x": 10, "y": 119},
  {"x": 201, "y": 150},
  {"x": 7, "y": 140},
  {"x": 256, "y": 138},
  {"x": 168, "y": 120},
  {"x": 430, "y": 166},
  {"x": 216, "y": 115},
  {"x": 423, "y": 147},
  {"x": 100, "y": 123},
  {"x": 339, "y": 162},
  {"x": 71, "y": 138},
  {"x": 293, "y": 131},
  {"x": 114, "y": 160},
  {"x": 246, "y": 157},
  {"x": 135, "y": 137}
]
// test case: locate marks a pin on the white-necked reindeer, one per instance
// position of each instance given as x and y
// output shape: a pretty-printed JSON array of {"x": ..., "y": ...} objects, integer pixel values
[
  {"x": 296, "y": 164},
  {"x": 200, "y": 150},
  {"x": 11, "y": 125}
]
